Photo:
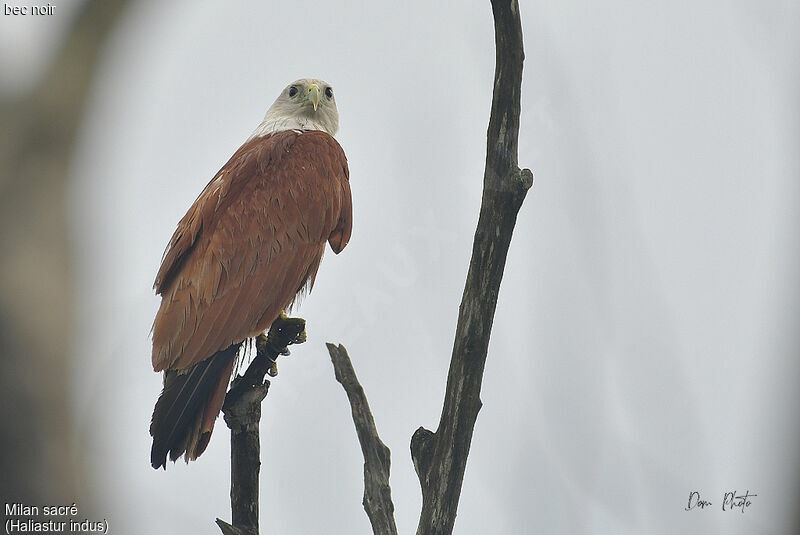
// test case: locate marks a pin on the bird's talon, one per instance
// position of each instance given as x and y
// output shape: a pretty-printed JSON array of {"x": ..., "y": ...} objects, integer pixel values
[
  {"x": 273, "y": 369},
  {"x": 301, "y": 338},
  {"x": 261, "y": 343}
]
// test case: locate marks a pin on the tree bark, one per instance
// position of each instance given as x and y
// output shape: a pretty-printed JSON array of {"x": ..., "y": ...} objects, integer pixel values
[
  {"x": 377, "y": 457},
  {"x": 440, "y": 458},
  {"x": 242, "y": 410}
]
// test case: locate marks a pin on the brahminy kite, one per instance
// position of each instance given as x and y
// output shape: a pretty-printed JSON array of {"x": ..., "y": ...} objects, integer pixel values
[{"x": 251, "y": 242}]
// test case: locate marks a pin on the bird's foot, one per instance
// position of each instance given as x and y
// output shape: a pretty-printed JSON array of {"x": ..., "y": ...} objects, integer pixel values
[{"x": 285, "y": 331}]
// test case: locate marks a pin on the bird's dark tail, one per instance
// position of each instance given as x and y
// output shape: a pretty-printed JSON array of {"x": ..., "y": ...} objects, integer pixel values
[{"x": 188, "y": 406}]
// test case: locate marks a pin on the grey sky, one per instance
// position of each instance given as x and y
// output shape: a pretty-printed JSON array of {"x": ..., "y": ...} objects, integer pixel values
[{"x": 645, "y": 339}]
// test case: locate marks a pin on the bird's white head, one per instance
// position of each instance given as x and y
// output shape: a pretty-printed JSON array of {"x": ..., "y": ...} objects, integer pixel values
[{"x": 305, "y": 104}]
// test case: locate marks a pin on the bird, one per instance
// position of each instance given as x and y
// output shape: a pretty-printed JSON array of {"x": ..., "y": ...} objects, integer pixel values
[{"x": 249, "y": 245}]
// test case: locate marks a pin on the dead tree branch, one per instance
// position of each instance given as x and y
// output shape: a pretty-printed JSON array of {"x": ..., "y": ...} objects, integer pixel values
[
  {"x": 242, "y": 410},
  {"x": 227, "y": 529},
  {"x": 440, "y": 458},
  {"x": 377, "y": 457}
]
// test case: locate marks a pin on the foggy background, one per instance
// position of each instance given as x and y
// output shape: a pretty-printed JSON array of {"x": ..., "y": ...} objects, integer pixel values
[{"x": 646, "y": 337}]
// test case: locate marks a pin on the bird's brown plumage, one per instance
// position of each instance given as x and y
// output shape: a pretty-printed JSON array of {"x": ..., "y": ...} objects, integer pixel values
[{"x": 250, "y": 242}]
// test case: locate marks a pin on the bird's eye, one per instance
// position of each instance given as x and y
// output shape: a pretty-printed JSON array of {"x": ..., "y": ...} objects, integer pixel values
[
  {"x": 329, "y": 92},
  {"x": 292, "y": 91}
]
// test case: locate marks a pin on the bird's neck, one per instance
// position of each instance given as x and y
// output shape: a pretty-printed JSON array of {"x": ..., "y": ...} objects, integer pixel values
[{"x": 278, "y": 123}]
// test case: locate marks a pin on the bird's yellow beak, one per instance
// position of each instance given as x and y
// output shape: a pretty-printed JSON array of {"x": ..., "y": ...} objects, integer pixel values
[{"x": 313, "y": 95}]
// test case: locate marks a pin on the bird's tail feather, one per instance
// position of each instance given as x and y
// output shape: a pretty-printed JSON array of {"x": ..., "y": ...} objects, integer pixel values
[{"x": 180, "y": 410}]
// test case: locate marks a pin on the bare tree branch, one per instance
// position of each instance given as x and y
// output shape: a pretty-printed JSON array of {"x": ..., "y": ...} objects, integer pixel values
[
  {"x": 227, "y": 529},
  {"x": 377, "y": 457},
  {"x": 242, "y": 410},
  {"x": 440, "y": 458}
]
